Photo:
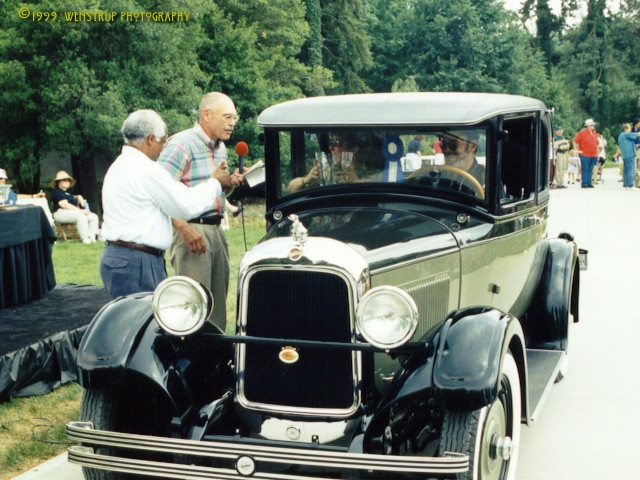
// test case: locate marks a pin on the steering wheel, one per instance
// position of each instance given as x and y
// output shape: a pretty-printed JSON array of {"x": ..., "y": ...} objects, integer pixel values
[{"x": 454, "y": 174}]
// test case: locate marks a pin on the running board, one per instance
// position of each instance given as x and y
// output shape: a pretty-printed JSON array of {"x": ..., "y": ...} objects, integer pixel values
[{"x": 543, "y": 368}]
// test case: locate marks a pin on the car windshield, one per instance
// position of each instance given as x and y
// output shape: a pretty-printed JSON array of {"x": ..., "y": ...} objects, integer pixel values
[{"x": 436, "y": 159}]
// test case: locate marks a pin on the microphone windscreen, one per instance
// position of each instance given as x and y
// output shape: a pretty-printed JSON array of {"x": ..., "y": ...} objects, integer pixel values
[{"x": 242, "y": 149}]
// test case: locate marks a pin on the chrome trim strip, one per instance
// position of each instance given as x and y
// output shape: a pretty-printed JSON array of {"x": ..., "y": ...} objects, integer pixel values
[
  {"x": 84, "y": 456},
  {"x": 329, "y": 459}
]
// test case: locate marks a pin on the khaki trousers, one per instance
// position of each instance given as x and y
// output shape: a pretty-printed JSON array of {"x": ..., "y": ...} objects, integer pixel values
[
  {"x": 211, "y": 268},
  {"x": 562, "y": 163}
]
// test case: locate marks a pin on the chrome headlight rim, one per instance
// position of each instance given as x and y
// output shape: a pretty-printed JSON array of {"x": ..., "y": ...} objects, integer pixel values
[
  {"x": 411, "y": 309},
  {"x": 202, "y": 296}
]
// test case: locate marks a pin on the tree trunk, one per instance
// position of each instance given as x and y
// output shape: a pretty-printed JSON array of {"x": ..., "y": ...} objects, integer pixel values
[{"x": 84, "y": 171}]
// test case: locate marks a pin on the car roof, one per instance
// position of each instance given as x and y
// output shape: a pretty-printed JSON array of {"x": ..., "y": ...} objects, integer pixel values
[{"x": 415, "y": 108}]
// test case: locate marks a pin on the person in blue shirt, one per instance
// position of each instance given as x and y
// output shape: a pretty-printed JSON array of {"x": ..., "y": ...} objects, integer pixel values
[
  {"x": 636, "y": 128},
  {"x": 12, "y": 197},
  {"x": 627, "y": 144}
]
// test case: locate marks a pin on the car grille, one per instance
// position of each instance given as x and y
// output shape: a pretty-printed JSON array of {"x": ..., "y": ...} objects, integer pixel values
[{"x": 299, "y": 304}]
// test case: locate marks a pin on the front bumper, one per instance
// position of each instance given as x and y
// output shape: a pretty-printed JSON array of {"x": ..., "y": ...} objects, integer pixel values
[{"x": 249, "y": 460}]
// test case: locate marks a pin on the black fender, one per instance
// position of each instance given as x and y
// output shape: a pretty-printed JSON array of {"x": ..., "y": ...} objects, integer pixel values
[
  {"x": 459, "y": 368},
  {"x": 469, "y": 357},
  {"x": 546, "y": 322},
  {"x": 110, "y": 339},
  {"x": 124, "y": 344}
]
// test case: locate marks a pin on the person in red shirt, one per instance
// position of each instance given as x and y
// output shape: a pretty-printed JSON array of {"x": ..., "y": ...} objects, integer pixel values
[{"x": 586, "y": 142}]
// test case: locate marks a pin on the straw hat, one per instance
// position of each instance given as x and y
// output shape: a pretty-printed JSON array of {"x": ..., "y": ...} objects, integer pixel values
[
  {"x": 3, "y": 173},
  {"x": 62, "y": 175}
]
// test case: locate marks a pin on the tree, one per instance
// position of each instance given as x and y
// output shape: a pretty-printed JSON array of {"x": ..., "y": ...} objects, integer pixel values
[
  {"x": 252, "y": 53},
  {"x": 385, "y": 24},
  {"x": 346, "y": 44},
  {"x": 312, "y": 50},
  {"x": 453, "y": 46},
  {"x": 83, "y": 90}
]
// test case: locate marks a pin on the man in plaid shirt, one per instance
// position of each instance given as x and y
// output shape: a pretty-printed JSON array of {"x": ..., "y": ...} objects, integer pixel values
[{"x": 199, "y": 249}]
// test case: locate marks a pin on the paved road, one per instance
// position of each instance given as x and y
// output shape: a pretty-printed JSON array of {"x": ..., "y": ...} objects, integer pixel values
[{"x": 589, "y": 428}]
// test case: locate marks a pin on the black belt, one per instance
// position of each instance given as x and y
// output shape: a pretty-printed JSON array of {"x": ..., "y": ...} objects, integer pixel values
[
  {"x": 137, "y": 246},
  {"x": 210, "y": 220}
]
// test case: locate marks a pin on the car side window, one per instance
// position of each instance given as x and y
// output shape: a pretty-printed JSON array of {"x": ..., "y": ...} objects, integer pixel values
[{"x": 518, "y": 159}]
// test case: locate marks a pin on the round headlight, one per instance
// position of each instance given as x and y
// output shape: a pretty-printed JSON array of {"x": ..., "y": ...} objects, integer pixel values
[
  {"x": 387, "y": 317},
  {"x": 181, "y": 305}
]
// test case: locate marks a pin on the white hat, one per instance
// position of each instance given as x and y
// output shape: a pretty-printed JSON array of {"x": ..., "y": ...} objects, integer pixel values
[
  {"x": 3, "y": 173},
  {"x": 589, "y": 121}
]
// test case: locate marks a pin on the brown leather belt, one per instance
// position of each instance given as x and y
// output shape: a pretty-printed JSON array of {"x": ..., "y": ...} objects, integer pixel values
[
  {"x": 210, "y": 220},
  {"x": 137, "y": 246}
]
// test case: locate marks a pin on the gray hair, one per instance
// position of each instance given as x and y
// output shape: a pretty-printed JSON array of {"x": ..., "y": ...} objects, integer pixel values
[
  {"x": 212, "y": 100},
  {"x": 142, "y": 123}
]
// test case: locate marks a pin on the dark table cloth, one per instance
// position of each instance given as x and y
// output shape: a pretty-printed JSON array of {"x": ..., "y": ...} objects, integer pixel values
[{"x": 26, "y": 268}]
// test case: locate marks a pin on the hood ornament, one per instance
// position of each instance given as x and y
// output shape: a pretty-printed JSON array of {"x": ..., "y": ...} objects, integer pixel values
[{"x": 298, "y": 232}]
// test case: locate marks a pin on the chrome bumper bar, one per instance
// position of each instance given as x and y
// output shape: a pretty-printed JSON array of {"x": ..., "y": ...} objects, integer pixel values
[{"x": 247, "y": 458}]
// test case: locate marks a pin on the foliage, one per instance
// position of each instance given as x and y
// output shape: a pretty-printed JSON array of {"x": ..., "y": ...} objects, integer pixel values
[
  {"x": 346, "y": 44},
  {"x": 451, "y": 46},
  {"x": 312, "y": 51}
]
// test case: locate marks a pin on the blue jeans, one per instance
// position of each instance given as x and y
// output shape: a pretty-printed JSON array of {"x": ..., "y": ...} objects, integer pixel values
[
  {"x": 125, "y": 271},
  {"x": 587, "y": 164},
  {"x": 628, "y": 171}
]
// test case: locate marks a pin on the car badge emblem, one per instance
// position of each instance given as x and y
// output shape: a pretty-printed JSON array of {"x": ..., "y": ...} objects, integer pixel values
[
  {"x": 288, "y": 355},
  {"x": 245, "y": 466},
  {"x": 296, "y": 253}
]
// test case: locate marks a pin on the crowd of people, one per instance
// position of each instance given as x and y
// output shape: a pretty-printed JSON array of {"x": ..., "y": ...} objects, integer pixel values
[{"x": 581, "y": 160}]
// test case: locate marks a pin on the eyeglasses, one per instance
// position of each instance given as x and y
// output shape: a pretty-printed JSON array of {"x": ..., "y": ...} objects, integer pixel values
[
  {"x": 451, "y": 142},
  {"x": 230, "y": 117},
  {"x": 334, "y": 142}
]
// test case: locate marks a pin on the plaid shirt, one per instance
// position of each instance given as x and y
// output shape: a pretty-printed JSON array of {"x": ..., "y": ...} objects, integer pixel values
[{"x": 191, "y": 157}]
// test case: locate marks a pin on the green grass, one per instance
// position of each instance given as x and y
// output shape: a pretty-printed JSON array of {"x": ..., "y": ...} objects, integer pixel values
[{"x": 32, "y": 428}]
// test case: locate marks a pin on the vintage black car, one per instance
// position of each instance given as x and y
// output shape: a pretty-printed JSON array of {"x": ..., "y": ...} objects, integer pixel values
[{"x": 404, "y": 314}]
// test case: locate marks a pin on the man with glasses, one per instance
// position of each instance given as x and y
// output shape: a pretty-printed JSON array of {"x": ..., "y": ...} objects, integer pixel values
[
  {"x": 140, "y": 198},
  {"x": 459, "y": 149},
  {"x": 199, "y": 249}
]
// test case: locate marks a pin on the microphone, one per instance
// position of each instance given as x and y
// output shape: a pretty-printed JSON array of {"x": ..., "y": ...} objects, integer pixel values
[{"x": 242, "y": 149}]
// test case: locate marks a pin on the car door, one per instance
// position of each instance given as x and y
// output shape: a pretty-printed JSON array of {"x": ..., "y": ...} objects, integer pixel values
[{"x": 522, "y": 222}]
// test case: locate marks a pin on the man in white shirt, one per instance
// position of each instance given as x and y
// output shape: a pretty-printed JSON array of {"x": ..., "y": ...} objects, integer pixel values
[{"x": 139, "y": 199}]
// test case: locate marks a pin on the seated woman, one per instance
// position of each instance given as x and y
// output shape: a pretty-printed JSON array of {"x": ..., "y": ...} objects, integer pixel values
[{"x": 68, "y": 208}]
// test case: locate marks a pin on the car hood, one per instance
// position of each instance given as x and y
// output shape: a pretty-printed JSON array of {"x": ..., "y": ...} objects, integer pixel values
[{"x": 382, "y": 237}]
